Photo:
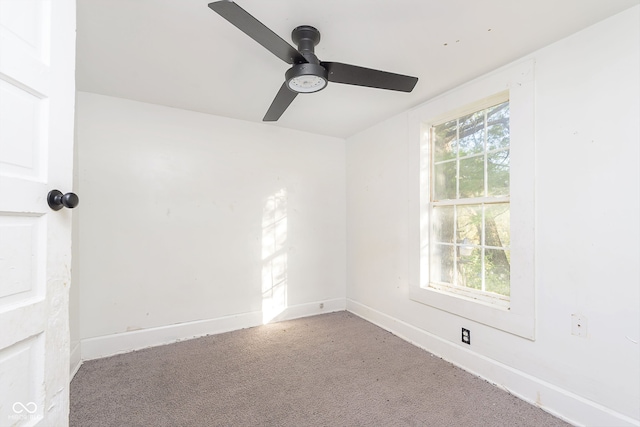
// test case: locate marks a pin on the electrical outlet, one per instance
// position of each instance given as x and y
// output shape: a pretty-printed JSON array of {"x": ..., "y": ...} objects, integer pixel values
[{"x": 466, "y": 336}]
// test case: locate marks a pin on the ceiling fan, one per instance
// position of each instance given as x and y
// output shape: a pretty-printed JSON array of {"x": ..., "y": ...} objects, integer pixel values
[{"x": 308, "y": 74}]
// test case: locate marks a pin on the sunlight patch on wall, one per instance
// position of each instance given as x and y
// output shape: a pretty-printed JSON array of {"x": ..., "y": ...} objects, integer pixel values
[{"x": 274, "y": 255}]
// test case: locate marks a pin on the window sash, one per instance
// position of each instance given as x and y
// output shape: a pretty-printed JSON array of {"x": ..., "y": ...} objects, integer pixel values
[{"x": 501, "y": 301}]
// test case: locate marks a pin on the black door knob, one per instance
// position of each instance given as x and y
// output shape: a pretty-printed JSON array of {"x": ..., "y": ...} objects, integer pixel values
[{"x": 57, "y": 200}]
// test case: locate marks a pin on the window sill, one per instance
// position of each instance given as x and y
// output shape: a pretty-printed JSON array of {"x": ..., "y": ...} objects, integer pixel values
[{"x": 487, "y": 298}]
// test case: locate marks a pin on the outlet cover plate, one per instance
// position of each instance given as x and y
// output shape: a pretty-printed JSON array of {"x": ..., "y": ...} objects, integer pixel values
[{"x": 466, "y": 336}]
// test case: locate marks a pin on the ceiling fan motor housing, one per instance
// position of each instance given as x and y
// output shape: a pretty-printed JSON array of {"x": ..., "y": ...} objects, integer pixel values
[{"x": 306, "y": 78}]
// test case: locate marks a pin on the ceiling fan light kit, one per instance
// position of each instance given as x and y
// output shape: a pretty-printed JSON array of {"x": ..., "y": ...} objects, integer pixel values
[
  {"x": 306, "y": 78},
  {"x": 308, "y": 74}
]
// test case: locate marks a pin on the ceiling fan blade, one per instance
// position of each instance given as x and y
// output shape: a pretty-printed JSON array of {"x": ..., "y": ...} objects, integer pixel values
[
  {"x": 360, "y": 76},
  {"x": 283, "y": 98},
  {"x": 257, "y": 31}
]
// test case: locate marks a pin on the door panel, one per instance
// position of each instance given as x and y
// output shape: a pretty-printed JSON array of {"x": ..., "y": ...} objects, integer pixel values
[
  {"x": 22, "y": 264},
  {"x": 17, "y": 362},
  {"x": 22, "y": 140}
]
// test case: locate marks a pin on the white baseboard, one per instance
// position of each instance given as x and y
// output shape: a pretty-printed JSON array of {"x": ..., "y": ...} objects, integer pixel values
[
  {"x": 560, "y": 402},
  {"x": 75, "y": 360},
  {"x": 311, "y": 309},
  {"x": 109, "y": 345}
]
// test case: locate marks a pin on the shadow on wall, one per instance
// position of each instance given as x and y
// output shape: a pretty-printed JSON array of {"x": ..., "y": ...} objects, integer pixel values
[{"x": 274, "y": 255}]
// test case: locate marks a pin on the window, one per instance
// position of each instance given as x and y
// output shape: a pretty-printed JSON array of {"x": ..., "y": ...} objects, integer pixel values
[
  {"x": 472, "y": 210},
  {"x": 469, "y": 209}
]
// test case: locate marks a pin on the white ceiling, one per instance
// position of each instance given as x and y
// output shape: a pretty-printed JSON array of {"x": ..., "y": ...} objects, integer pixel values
[{"x": 181, "y": 54}]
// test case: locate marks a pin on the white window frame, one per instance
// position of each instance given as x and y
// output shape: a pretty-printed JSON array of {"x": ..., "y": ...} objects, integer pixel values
[
  {"x": 427, "y": 129},
  {"x": 518, "y": 317}
]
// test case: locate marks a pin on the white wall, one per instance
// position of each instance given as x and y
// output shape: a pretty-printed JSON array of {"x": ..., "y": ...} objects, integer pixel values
[
  {"x": 587, "y": 232},
  {"x": 174, "y": 215}
]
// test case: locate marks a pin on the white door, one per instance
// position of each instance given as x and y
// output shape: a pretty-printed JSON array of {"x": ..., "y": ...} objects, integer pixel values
[{"x": 37, "y": 92}]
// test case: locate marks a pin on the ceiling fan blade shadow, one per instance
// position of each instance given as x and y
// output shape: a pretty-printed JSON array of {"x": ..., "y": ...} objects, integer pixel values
[
  {"x": 360, "y": 76},
  {"x": 255, "y": 29},
  {"x": 283, "y": 99}
]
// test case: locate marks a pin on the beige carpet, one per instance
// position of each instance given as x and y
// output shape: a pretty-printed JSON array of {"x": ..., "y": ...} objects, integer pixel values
[{"x": 330, "y": 370}]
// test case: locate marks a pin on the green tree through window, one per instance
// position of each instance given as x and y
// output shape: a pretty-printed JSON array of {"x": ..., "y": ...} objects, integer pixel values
[{"x": 470, "y": 215}]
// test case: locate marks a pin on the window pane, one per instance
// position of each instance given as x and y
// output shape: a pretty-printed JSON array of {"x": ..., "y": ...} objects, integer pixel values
[
  {"x": 497, "y": 265},
  {"x": 442, "y": 223},
  {"x": 497, "y": 222},
  {"x": 472, "y": 177},
  {"x": 469, "y": 224},
  {"x": 444, "y": 144},
  {"x": 445, "y": 181},
  {"x": 441, "y": 265},
  {"x": 498, "y": 126},
  {"x": 498, "y": 173},
  {"x": 470, "y": 268},
  {"x": 471, "y": 134}
]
